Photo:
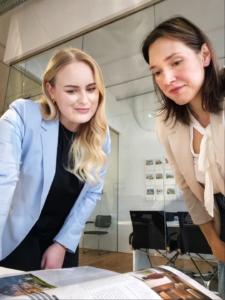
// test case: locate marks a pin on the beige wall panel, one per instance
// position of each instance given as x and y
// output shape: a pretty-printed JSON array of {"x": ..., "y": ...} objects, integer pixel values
[{"x": 4, "y": 71}]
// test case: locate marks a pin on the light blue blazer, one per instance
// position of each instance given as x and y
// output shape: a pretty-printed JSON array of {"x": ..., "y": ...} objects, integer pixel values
[{"x": 28, "y": 149}]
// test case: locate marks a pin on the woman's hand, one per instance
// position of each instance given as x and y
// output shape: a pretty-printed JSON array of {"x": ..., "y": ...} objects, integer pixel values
[
  {"x": 217, "y": 246},
  {"x": 53, "y": 257},
  {"x": 218, "y": 250}
]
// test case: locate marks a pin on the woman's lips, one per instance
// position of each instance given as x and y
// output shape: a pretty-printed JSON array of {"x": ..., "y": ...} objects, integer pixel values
[
  {"x": 82, "y": 110},
  {"x": 176, "y": 90}
]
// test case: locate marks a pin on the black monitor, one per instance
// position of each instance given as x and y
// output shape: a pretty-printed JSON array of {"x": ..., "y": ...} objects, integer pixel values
[
  {"x": 144, "y": 216},
  {"x": 148, "y": 229}
]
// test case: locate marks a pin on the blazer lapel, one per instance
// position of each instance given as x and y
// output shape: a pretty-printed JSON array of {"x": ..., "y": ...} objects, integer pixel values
[
  {"x": 49, "y": 138},
  {"x": 180, "y": 146}
]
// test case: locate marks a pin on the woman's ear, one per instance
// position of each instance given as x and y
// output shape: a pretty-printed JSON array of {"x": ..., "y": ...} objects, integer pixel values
[
  {"x": 206, "y": 55},
  {"x": 50, "y": 90}
]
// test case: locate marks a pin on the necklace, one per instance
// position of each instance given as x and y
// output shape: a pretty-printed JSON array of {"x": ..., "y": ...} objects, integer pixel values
[{"x": 69, "y": 140}]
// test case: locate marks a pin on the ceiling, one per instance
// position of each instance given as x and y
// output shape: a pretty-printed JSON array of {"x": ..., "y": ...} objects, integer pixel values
[{"x": 7, "y": 5}]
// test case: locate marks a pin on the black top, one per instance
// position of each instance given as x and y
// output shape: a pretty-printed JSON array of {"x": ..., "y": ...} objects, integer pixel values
[{"x": 63, "y": 193}]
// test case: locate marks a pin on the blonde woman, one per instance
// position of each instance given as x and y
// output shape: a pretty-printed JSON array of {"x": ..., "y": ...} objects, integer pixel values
[{"x": 53, "y": 162}]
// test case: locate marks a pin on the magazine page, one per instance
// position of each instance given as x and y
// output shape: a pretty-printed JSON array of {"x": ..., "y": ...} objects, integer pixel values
[
  {"x": 20, "y": 283},
  {"x": 63, "y": 277},
  {"x": 169, "y": 283},
  {"x": 6, "y": 271},
  {"x": 71, "y": 276},
  {"x": 91, "y": 283},
  {"x": 115, "y": 287}
]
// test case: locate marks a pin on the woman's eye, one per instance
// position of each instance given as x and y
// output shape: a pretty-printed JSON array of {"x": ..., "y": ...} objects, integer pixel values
[
  {"x": 71, "y": 91},
  {"x": 156, "y": 74},
  {"x": 91, "y": 89},
  {"x": 176, "y": 63}
]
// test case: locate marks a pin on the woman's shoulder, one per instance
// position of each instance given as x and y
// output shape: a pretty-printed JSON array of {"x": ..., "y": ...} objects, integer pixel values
[
  {"x": 21, "y": 104},
  {"x": 25, "y": 112},
  {"x": 27, "y": 109}
]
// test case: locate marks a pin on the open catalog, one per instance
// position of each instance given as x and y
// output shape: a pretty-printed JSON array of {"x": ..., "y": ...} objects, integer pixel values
[{"x": 91, "y": 283}]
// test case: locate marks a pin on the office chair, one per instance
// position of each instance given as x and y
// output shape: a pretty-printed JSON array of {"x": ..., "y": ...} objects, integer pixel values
[
  {"x": 150, "y": 232},
  {"x": 101, "y": 222},
  {"x": 192, "y": 240}
]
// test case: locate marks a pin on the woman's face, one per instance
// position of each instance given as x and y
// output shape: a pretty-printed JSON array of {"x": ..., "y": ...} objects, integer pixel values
[
  {"x": 178, "y": 70},
  {"x": 76, "y": 94}
]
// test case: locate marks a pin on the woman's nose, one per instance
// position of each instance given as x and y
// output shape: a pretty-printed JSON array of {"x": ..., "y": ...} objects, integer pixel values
[
  {"x": 83, "y": 97},
  {"x": 168, "y": 77}
]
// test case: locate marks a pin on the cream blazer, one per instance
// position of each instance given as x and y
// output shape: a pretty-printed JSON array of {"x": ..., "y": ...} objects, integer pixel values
[{"x": 176, "y": 142}]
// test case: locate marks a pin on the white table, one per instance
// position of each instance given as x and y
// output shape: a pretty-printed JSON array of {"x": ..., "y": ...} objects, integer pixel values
[
  {"x": 168, "y": 223},
  {"x": 124, "y": 223},
  {"x": 140, "y": 260},
  {"x": 172, "y": 223}
]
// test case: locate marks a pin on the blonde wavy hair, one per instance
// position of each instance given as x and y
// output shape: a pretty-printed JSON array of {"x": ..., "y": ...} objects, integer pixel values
[{"x": 86, "y": 157}]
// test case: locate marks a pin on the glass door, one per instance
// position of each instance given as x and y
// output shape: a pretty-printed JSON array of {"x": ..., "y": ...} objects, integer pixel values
[{"x": 108, "y": 205}]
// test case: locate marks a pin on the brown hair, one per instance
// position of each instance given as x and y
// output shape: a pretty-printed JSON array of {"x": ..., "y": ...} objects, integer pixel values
[
  {"x": 86, "y": 152},
  {"x": 179, "y": 28}
]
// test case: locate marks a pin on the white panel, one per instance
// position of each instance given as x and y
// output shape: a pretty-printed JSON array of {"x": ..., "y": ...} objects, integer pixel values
[
  {"x": 208, "y": 15},
  {"x": 124, "y": 232},
  {"x": 39, "y": 24}
]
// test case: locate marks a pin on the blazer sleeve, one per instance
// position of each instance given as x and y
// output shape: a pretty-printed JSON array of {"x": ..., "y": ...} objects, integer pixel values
[
  {"x": 71, "y": 231},
  {"x": 11, "y": 138},
  {"x": 195, "y": 207}
]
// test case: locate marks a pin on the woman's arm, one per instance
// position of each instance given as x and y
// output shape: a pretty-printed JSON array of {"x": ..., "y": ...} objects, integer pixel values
[
  {"x": 195, "y": 207},
  {"x": 218, "y": 247},
  {"x": 11, "y": 135}
]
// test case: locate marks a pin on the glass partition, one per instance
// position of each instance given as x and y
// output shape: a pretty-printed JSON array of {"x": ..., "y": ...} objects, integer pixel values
[
  {"x": 131, "y": 106},
  {"x": 139, "y": 176},
  {"x": 20, "y": 85},
  {"x": 25, "y": 77},
  {"x": 108, "y": 205}
]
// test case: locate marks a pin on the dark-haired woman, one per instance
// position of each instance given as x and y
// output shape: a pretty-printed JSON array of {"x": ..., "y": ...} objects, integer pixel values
[{"x": 191, "y": 124}]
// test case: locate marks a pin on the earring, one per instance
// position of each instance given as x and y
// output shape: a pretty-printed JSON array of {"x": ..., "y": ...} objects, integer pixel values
[{"x": 53, "y": 101}]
